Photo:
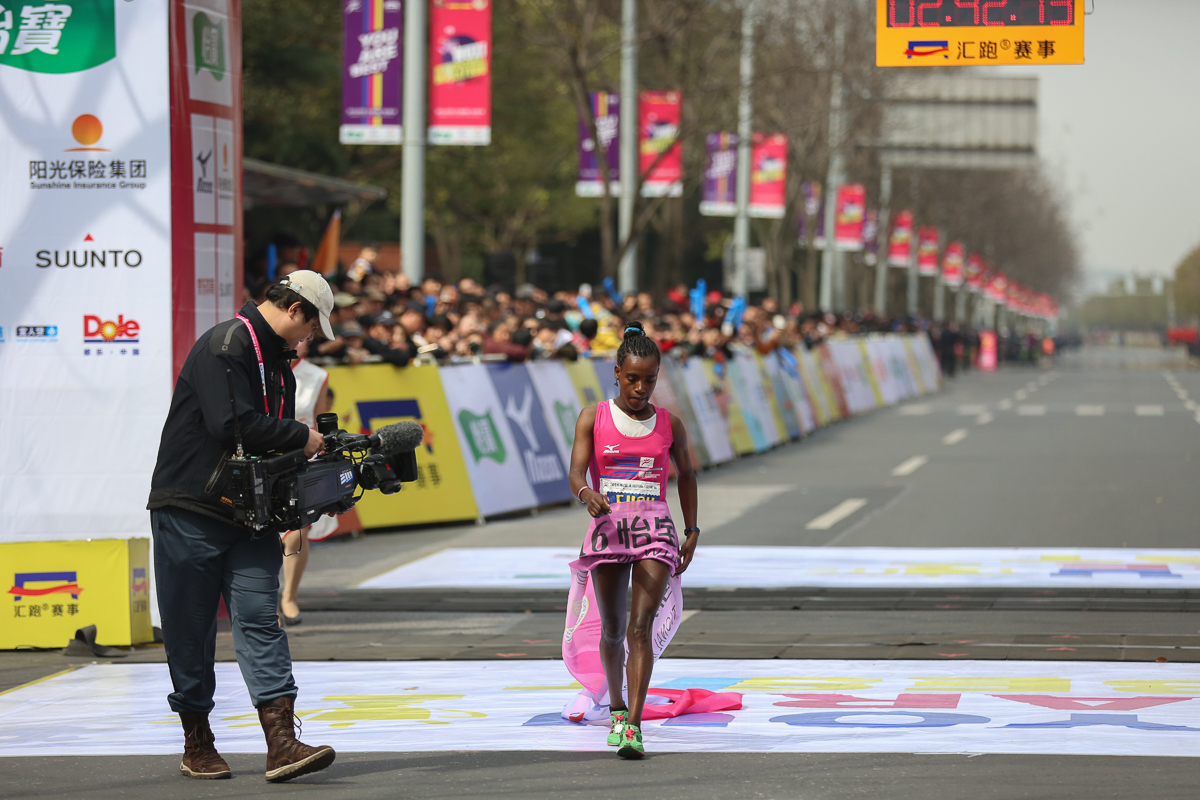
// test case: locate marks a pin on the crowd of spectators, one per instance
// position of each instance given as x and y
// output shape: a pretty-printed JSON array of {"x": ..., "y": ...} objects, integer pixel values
[{"x": 381, "y": 316}]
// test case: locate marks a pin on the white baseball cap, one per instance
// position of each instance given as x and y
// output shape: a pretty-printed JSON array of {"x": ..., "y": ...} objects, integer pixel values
[{"x": 315, "y": 289}]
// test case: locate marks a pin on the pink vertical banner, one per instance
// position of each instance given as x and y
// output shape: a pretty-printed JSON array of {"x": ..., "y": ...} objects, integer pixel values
[
  {"x": 900, "y": 250},
  {"x": 927, "y": 250},
  {"x": 460, "y": 72},
  {"x": 659, "y": 115},
  {"x": 952, "y": 265},
  {"x": 974, "y": 273},
  {"x": 768, "y": 175},
  {"x": 849, "y": 215}
]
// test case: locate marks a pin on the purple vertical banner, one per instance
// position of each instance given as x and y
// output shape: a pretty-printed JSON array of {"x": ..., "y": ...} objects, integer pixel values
[
  {"x": 372, "y": 34},
  {"x": 606, "y": 110},
  {"x": 813, "y": 208},
  {"x": 871, "y": 238},
  {"x": 720, "y": 176}
]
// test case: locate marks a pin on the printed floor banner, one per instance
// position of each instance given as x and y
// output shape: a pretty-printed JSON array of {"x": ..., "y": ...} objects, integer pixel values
[
  {"x": 370, "y": 396},
  {"x": 560, "y": 403},
  {"x": 486, "y": 441},
  {"x": 85, "y": 246},
  {"x": 712, "y": 424},
  {"x": 538, "y": 451},
  {"x": 1068, "y": 707},
  {"x": 829, "y": 567}
]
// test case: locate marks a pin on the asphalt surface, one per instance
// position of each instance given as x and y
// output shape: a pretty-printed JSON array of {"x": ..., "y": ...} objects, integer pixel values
[{"x": 1101, "y": 449}]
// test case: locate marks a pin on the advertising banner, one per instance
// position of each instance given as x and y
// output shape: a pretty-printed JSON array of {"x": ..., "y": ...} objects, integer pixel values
[
  {"x": 782, "y": 401},
  {"x": 997, "y": 287},
  {"x": 900, "y": 244},
  {"x": 460, "y": 71},
  {"x": 538, "y": 451},
  {"x": 928, "y": 243},
  {"x": 660, "y": 153},
  {"x": 486, "y": 441},
  {"x": 850, "y": 215},
  {"x": 605, "y": 377},
  {"x": 789, "y": 366},
  {"x": 811, "y": 192},
  {"x": 606, "y": 112},
  {"x": 768, "y": 175},
  {"x": 871, "y": 238},
  {"x": 372, "y": 45},
  {"x": 952, "y": 265},
  {"x": 670, "y": 393},
  {"x": 560, "y": 403},
  {"x": 85, "y": 251},
  {"x": 719, "y": 197},
  {"x": 987, "y": 351},
  {"x": 369, "y": 396},
  {"x": 973, "y": 273},
  {"x": 713, "y": 426},
  {"x": 735, "y": 422},
  {"x": 206, "y": 168},
  {"x": 587, "y": 387}
]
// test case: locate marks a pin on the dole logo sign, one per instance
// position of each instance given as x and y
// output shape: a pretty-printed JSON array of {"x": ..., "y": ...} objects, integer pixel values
[{"x": 101, "y": 331}]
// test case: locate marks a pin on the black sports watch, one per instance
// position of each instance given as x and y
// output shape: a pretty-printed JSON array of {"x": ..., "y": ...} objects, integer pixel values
[{"x": 689, "y": 529}]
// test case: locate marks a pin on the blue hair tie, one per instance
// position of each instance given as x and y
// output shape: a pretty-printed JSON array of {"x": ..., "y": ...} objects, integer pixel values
[{"x": 632, "y": 328}]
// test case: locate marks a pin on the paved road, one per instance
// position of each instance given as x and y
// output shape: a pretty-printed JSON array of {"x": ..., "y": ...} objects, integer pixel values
[{"x": 1102, "y": 450}]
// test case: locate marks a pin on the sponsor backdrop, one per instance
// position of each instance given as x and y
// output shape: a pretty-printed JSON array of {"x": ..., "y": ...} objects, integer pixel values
[{"x": 85, "y": 288}]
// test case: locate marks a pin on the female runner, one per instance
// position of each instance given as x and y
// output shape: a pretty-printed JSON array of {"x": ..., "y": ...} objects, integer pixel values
[{"x": 626, "y": 442}]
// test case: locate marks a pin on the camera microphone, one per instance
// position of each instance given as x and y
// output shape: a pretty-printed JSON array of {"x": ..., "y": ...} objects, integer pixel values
[{"x": 399, "y": 437}]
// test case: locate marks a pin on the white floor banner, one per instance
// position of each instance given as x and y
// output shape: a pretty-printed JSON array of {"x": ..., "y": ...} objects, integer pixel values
[
  {"x": 826, "y": 706},
  {"x": 488, "y": 446},
  {"x": 831, "y": 567}
]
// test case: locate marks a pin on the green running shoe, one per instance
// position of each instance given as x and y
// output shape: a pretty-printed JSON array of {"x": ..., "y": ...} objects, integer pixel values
[
  {"x": 631, "y": 743},
  {"x": 616, "y": 726}
]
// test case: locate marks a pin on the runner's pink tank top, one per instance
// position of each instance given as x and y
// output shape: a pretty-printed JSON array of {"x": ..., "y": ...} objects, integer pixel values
[{"x": 626, "y": 468}]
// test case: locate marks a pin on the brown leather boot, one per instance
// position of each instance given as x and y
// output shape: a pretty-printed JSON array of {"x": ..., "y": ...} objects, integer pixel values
[
  {"x": 287, "y": 757},
  {"x": 200, "y": 757}
]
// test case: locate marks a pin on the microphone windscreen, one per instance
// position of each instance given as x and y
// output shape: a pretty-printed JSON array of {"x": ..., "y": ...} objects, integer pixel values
[{"x": 400, "y": 437}]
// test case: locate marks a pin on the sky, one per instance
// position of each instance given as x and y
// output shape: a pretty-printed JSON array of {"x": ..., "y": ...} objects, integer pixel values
[{"x": 1120, "y": 136}]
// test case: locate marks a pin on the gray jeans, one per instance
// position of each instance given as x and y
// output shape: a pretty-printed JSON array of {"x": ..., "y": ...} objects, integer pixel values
[{"x": 198, "y": 560}]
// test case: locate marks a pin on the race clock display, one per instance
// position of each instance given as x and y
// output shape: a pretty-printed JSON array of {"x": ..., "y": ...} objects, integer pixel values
[{"x": 940, "y": 33}]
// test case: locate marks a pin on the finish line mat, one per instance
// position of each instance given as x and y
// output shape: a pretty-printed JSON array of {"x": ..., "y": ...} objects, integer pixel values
[
  {"x": 840, "y": 567},
  {"x": 789, "y": 706}
]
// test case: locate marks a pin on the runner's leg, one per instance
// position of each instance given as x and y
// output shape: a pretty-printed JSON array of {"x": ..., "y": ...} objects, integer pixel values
[
  {"x": 612, "y": 595},
  {"x": 650, "y": 578}
]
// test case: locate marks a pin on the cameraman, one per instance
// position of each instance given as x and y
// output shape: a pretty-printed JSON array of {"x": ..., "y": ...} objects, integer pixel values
[{"x": 200, "y": 553}]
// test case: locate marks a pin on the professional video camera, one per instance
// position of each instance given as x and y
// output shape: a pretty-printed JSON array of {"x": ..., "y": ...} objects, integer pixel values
[{"x": 287, "y": 492}]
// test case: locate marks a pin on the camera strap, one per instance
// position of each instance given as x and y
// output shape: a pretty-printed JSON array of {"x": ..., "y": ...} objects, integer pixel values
[{"x": 262, "y": 370}]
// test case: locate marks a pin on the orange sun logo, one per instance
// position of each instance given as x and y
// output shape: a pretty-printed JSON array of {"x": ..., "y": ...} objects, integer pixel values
[{"x": 87, "y": 130}]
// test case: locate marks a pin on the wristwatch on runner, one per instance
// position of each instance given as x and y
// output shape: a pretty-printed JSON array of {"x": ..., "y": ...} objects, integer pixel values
[{"x": 688, "y": 530}]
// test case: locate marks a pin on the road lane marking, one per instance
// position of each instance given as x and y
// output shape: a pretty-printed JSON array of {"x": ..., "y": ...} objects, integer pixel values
[
  {"x": 910, "y": 466},
  {"x": 1031, "y": 386},
  {"x": 1190, "y": 405},
  {"x": 1149, "y": 411},
  {"x": 954, "y": 437},
  {"x": 984, "y": 418},
  {"x": 1020, "y": 394},
  {"x": 1005, "y": 404},
  {"x": 918, "y": 410},
  {"x": 1089, "y": 411},
  {"x": 1031, "y": 411},
  {"x": 971, "y": 410},
  {"x": 836, "y": 514}
]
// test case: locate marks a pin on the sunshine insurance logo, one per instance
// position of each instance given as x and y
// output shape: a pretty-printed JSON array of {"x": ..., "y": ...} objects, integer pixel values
[
  {"x": 96, "y": 171},
  {"x": 110, "y": 337}
]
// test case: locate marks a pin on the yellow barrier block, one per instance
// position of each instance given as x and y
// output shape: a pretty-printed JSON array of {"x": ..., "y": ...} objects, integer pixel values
[{"x": 59, "y": 587}]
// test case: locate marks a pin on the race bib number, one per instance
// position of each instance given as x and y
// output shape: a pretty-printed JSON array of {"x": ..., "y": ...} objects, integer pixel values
[
  {"x": 628, "y": 491},
  {"x": 633, "y": 532}
]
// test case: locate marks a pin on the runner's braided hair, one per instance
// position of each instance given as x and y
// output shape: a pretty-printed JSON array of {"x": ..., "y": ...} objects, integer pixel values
[{"x": 637, "y": 343}]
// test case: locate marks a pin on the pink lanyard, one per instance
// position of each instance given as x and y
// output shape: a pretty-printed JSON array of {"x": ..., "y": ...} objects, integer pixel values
[{"x": 262, "y": 370}]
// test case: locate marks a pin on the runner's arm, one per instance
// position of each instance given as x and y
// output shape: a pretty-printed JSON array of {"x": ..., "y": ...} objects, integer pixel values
[
  {"x": 682, "y": 457},
  {"x": 581, "y": 456}
]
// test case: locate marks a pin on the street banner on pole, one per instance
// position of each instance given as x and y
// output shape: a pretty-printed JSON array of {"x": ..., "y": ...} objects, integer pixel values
[
  {"x": 974, "y": 273},
  {"x": 952, "y": 265},
  {"x": 768, "y": 175},
  {"x": 719, "y": 198},
  {"x": 606, "y": 112},
  {"x": 997, "y": 287},
  {"x": 460, "y": 72},
  {"x": 659, "y": 114},
  {"x": 86, "y": 234},
  {"x": 927, "y": 251},
  {"x": 871, "y": 238},
  {"x": 811, "y": 192},
  {"x": 900, "y": 244},
  {"x": 849, "y": 217},
  {"x": 371, "y": 66}
]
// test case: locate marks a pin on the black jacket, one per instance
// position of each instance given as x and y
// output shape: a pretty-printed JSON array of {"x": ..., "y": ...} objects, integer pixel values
[{"x": 197, "y": 437}]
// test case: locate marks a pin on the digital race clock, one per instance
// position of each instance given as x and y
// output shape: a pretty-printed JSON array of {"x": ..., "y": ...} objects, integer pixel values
[{"x": 941, "y": 33}]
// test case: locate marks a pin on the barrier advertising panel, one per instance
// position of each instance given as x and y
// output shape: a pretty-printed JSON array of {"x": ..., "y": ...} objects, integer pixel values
[
  {"x": 789, "y": 366},
  {"x": 559, "y": 401},
  {"x": 85, "y": 242},
  {"x": 782, "y": 402},
  {"x": 604, "y": 377},
  {"x": 537, "y": 450},
  {"x": 372, "y": 46},
  {"x": 668, "y": 396},
  {"x": 368, "y": 397},
  {"x": 727, "y": 405},
  {"x": 486, "y": 441},
  {"x": 712, "y": 425},
  {"x": 587, "y": 387},
  {"x": 460, "y": 72}
]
